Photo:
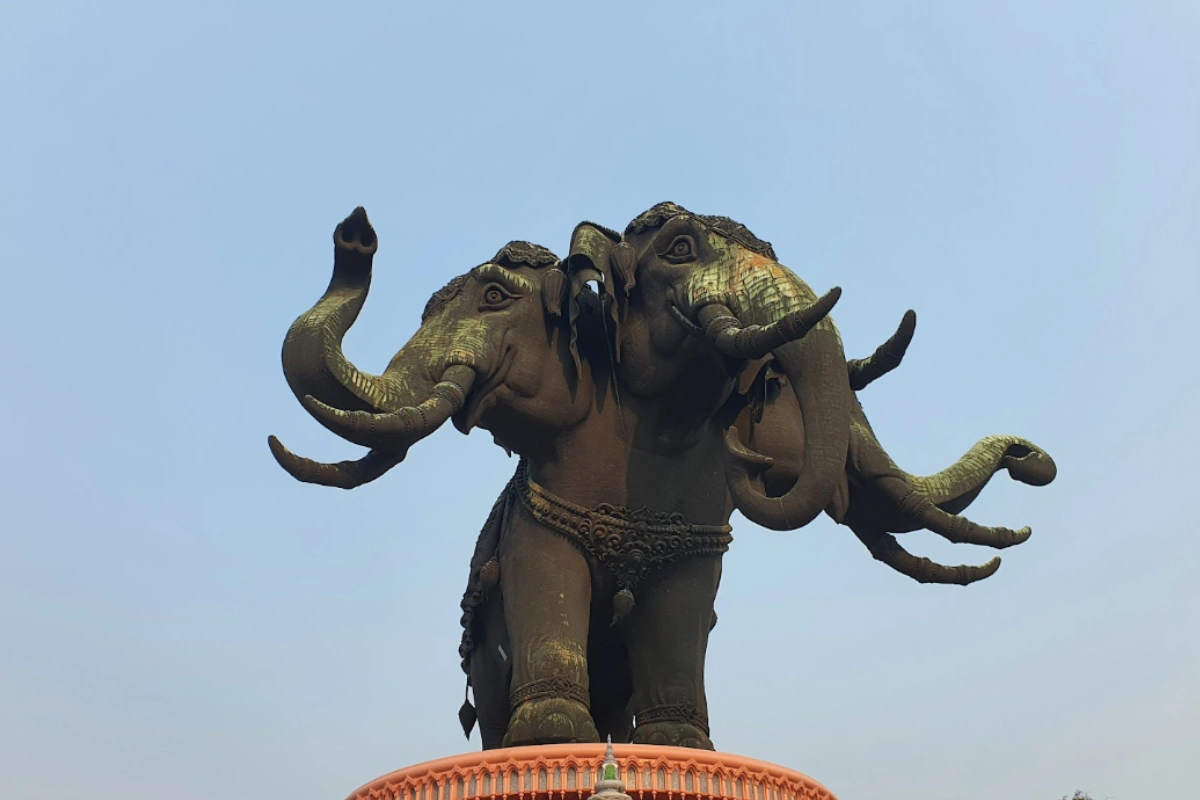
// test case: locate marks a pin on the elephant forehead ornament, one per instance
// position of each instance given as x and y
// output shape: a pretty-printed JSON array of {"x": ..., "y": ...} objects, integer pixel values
[{"x": 699, "y": 377}]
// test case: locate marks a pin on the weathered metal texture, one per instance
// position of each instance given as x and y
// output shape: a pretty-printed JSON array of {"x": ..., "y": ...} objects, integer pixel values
[{"x": 698, "y": 377}]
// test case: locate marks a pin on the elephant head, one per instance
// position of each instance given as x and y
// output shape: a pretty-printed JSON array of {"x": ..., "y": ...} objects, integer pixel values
[
  {"x": 697, "y": 301},
  {"x": 491, "y": 351}
]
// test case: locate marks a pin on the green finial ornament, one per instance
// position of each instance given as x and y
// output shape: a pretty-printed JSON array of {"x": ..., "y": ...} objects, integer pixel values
[{"x": 609, "y": 786}]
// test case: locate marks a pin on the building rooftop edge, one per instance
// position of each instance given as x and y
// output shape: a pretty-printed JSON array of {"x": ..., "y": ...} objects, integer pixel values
[{"x": 589, "y": 756}]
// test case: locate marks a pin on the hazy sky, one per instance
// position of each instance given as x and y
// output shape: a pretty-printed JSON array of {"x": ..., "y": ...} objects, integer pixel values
[{"x": 176, "y": 613}]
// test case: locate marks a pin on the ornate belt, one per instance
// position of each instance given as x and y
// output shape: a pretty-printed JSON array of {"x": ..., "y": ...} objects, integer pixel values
[{"x": 632, "y": 544}]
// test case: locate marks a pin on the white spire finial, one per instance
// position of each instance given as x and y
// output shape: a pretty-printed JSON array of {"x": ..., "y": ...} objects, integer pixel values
[{"x": 609, "y": 785}]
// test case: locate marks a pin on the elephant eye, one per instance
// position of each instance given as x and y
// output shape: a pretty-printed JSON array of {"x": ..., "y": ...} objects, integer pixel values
[
  {"x": 681, "y": 250},
  {"x": 496, "y": 297}
]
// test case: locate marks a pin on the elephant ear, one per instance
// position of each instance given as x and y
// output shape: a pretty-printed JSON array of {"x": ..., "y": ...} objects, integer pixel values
[
  {"x": 591, "y": 254},
  {"x": 590, "y": 259}
]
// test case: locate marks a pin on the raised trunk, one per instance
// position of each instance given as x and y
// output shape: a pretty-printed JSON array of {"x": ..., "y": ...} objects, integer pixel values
[
  {"x": 426, "y": 382},
  {"x": 886, "y": 357},
  {"x": 313, "y": 361}
]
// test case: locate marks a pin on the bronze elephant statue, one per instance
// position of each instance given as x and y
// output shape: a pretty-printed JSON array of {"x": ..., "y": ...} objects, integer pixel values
[{"x": 592, "y": 588}]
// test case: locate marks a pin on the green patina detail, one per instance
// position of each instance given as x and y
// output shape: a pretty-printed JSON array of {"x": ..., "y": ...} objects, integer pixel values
[
  {"x": 758, "y": 289},
  {"x": 511, "y": 280}
]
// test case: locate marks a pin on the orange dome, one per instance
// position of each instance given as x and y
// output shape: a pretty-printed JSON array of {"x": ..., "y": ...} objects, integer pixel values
[{"x": 571, "y": 771}]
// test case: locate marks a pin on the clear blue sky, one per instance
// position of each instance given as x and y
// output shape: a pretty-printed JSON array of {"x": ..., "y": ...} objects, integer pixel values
[{"x": 176, "y": 613}]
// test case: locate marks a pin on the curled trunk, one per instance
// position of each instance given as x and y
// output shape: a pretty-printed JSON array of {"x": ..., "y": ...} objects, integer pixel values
[
  {"x": 387, "y": 413},
  {"x": 761, "y": 292},
  {"x": 313, "y": 361},
  {"x": 399, "y": 429},
  {"x": 954, "y": 488}
]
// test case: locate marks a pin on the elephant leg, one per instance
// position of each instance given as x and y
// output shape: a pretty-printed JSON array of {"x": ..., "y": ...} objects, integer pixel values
[
  {"x": 667, "y": 635},
  {"x": 608, "y": 665},
  {"x": 547, "y": 587},
  {"x": 615, "y": 722},
  {"x": 491, "y": 674}
]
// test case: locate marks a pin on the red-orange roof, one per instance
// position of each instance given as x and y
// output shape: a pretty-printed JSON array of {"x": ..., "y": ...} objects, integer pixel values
[{"x": 569, "y": 771}]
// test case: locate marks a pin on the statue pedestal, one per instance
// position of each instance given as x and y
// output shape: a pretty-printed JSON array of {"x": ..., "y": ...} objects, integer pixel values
[{"x": 571, "y": 772}]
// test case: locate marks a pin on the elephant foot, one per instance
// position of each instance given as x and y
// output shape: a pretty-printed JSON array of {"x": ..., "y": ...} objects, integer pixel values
[
  {"x": 675, "y": 726},
  {"x": 673, "y": 734},
  {"x": 550, "y": 720}
]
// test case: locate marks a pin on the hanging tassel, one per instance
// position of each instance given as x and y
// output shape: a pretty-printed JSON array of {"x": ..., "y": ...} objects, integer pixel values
[
  {"x": 466, "y": 714},
  {"x": 624, "y": 262},
  {"x": 622, "y": 605}
]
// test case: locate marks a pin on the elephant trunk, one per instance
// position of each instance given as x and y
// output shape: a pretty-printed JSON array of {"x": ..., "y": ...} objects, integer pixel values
[
  {"x": 389, "y": 412},
  {"x": 886, "y": 549},
  {"x": 886, "y": 357},
  {"x": 761, "y": 292},
  {"x": 389, "y": 434},
  {"x": 955, "y": 487},
  {"x": 399, "y": 428},
  {"x": 313, "y": 361}
]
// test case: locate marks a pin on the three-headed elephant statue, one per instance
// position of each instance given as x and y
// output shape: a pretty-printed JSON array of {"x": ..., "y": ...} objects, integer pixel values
[{"x": 698, "y": 377}]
